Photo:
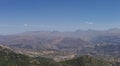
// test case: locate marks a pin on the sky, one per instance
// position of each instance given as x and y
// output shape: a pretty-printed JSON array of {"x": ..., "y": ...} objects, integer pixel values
[{"x": 59, "y": 15}]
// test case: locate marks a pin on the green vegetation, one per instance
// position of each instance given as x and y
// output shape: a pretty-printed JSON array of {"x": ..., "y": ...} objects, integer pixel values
[
  {"x": 84, "y": 61},
  {"x": 10, "y": 58}
]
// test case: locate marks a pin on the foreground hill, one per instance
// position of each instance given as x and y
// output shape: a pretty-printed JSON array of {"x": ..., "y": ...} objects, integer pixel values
[
  {"x": 10, "y": 58},
  {"x": 85, "y": 61}
]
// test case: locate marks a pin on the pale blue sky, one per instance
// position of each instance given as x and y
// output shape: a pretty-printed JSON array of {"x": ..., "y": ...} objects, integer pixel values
[{"x": 62, "y": 15}]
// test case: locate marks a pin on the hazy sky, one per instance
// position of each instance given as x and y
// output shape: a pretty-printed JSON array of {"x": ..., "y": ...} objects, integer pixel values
[{"x": 63, "y": 15}]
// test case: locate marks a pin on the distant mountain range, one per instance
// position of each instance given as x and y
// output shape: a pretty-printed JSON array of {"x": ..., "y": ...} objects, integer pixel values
[{"x": 80, "y": 42}]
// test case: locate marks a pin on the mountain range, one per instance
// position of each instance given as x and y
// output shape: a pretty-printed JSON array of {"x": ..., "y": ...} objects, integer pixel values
[{"x": 80, "y": 42}]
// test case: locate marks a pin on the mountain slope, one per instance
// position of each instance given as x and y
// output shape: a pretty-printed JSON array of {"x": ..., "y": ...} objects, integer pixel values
[
  {"x": 85, "y": 61},
  {"x": 10, "y": 58}
]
